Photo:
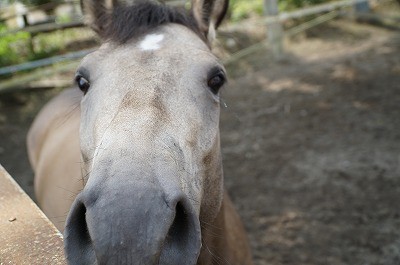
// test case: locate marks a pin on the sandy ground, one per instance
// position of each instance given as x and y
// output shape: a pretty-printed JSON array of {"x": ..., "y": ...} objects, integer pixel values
[{"x": 311, "y": 146}]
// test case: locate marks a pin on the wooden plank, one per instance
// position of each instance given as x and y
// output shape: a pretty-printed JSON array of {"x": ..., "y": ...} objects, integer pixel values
[
  {"x": 47, "y": 27},
  {"x": 26, "y": 235},
  {"x": 39, "y": 85},
  {"x": 19, "y": 82},
  {"x": 50, "y": 27}
]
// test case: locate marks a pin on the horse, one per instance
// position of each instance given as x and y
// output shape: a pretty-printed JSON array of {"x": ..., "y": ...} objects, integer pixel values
[{"x": 132, "y": 152}]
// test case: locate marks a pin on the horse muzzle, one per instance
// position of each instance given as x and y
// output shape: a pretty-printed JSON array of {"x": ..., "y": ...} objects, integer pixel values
[{"x": 144, "y": 225}]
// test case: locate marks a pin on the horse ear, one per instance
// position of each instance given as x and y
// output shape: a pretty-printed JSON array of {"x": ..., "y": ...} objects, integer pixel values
[
  {"x": 97, "y": 13},
  {"x": 209, "y": 15}
]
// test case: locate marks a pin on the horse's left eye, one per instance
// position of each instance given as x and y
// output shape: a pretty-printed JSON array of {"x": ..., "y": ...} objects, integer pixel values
[
  {"x": 216, "y": 82},
  {"x": 82, "y": 83}
]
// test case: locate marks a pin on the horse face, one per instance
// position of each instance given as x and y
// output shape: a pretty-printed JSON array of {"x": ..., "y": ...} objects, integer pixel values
[{"x": 149, "y": 139}]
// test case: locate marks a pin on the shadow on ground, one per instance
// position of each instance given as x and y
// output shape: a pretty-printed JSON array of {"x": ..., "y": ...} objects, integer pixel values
[{"x": 312, "y": 149}]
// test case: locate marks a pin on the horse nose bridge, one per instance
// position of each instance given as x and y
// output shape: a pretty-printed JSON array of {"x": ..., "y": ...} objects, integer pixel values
[{"x": 145, "y": 225}]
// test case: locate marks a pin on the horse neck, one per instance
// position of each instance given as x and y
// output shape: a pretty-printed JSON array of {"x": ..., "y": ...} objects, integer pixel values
[
  {"x": 225, "y": 240},
  {"x": 214, "y": 238}
]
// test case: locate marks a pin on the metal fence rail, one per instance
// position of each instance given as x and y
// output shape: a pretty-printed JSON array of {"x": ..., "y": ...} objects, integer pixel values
[{"x": 44, "y": 62}]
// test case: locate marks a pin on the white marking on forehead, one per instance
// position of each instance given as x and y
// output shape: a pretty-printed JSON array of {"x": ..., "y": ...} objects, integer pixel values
[{"x": 151, "y": 42}]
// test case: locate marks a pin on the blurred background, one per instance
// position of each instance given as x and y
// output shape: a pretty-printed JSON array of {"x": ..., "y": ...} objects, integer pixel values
[{"x": 310, "y": 121}]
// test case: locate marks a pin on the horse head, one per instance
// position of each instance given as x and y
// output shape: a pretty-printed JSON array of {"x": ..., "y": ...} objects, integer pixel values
[{"x": 149, "y": 134}]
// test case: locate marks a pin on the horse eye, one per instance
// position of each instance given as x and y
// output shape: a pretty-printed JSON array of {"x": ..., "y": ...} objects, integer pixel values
[
  {"x": 216, "y": 82},
  {"x": 82, "y": 83}
]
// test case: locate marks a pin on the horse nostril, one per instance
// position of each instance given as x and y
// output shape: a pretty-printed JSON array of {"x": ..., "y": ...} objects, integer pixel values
[
  {"x": 181, "y": 238},
  {"x": 151, "y": 232},
  {"x": 78, "y": 244},
  {"x": 178, "y": 232}
]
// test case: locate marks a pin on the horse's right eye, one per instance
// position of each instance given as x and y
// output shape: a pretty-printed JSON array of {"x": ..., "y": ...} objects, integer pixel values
[
  {"x": 82, "y": 83},
  {"x": 216, "y": 79}
]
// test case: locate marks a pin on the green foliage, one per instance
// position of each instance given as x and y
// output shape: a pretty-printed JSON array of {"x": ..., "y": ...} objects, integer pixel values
[
  {"x": 39, "y": 2},
  {"x": 64, "y": 18},
  {"x": 286, "y": 5},
  {"x": 20, "y": 47},
  {"x": 13, "y": 47},
  {"x": 241, "y": 9}
]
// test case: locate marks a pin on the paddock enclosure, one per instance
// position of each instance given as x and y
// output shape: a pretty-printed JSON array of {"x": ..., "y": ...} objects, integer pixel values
[{"x": 311, "y": 144}]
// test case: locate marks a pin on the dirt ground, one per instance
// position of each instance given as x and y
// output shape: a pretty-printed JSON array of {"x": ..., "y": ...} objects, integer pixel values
[{"x": 311, "y": 146}]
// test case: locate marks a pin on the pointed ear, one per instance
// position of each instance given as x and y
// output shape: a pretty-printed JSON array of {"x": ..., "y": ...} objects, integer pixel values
[
  {"x": 209, "y": 15},
  {"x": 97, "y": 13}
]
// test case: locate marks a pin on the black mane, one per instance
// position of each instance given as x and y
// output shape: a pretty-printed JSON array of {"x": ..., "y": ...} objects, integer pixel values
[{"x": 127, "y": 22}]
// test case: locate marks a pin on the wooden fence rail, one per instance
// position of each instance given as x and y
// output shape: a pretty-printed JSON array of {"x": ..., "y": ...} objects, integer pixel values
[
  {"x": 26, "y": 235},
  {"x": 44, "y": 28}
]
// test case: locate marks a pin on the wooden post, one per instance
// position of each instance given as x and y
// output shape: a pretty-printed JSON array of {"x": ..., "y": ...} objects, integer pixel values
[
  {"x": 27, "y": 24},
  {"x": 362, "y": 7},
  {"x": 274, "y": 29}
]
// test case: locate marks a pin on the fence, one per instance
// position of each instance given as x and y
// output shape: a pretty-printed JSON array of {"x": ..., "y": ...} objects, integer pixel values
[
  {"x": 20, "y": 12},
  {"x": 27, "y": 236},
  {"x": 273, "y": 22},
  {"x": 274, "y": 19},
  {"x": 276, "y": 34}
]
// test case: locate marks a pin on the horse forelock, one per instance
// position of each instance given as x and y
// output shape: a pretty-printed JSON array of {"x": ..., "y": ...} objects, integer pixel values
[{"x": 127, "y": 22}]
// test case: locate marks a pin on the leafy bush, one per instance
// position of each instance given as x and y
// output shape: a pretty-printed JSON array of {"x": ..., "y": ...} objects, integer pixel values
[
  {"x": 285, "y": 5},
  {"x": 241, "y": 9},
  {"x": 13, "y": 47}
]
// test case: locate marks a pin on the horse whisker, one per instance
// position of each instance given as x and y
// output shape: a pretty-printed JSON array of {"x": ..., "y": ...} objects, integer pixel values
[{"x": 217, "y": 258}]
